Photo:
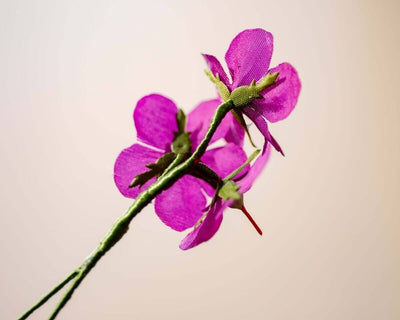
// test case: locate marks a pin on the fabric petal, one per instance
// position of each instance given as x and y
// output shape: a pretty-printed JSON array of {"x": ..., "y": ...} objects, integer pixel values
[
  {"x": 155, "y": 121},
  {"x": 223, "y": 161},
  {"x": 216, "y": 68},
  {"x": 280, "y": 99},
  {"x": 182, "y": 205},
  {"x": 262, "y": 125},
  {"x": 131, "y": 162},
  {"x": 207, "y": 228},
  {"x": 236, "y": 133},
  {"x": 255, "y": 170},
  {"x": 249, "y": 56},
  {"x": 199, "y": 120}
]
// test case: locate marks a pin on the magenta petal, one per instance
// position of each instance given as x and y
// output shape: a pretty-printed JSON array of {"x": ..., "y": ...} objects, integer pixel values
[
  {"x": 236, "y": 133},
  {"x": 247, "y": 181},
  {"x": 131, "y": 162},
  {"x": 182, "y": 205},
  {"x": 280, "y": 99},
  {"x": 249, "y": 56},
  {"x": 216, "y": 68},
  {"x": 223, "y": 161},
  {"x": 207, "y": 228},
  {"x": 199, "y": 119},
  {"x": 262, "y": 125},
  {"x": 155, "y": 121}
]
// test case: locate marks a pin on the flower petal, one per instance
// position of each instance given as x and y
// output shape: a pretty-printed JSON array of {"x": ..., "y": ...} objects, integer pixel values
[
  {"x": 249, "y": 55},
  {"x": 216, "y": 68},
  {"x": 199, "y": 120},
  {"x": 155, "y": 121},
  {"x": 131, "y": 162},
  {"x": 223, "y": 161},
  {"x": 182, "y": 205},
  {"x": 236, "y": 132},
  {"x": 262, "y": 125},
  {"x": 280, "y": 99},
  {"x": 248, "y": 179},
  {"x": 207, "y": 228}
]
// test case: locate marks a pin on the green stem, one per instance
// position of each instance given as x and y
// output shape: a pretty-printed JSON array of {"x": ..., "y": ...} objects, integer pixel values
[
  {"x": 221, "y": 112},
  {"x": 240, "y": 169},
  {"x": 49, "y": 295},
  {"x": 121, "y": 226},
  {"x": 178, "y": 159}
]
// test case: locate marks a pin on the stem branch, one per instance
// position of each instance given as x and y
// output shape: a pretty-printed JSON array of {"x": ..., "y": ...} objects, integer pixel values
[{"x": 49, "y": 295}]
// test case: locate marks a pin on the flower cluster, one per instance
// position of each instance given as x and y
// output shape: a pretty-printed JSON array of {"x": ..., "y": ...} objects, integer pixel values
[
  {"x": 166, "y": 138},
  {"x": 182, "y": 205}
]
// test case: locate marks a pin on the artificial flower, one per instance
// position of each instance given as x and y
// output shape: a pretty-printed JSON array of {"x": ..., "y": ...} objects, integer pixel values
[
  {"x": 248, "y": 59},
  {"x": 155, "y": 118}
]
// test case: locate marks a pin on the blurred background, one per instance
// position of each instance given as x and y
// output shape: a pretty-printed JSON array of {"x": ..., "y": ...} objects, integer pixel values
[{"x": 71, "y": 73}]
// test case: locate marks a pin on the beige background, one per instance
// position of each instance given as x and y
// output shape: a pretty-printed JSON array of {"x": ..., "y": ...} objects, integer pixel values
[{"x": 70, "y": 75}]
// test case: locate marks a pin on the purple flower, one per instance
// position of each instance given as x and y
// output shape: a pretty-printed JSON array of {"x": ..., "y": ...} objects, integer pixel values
[
  {"x": 211, "y": 223},
  {"x": 155, "y": 117},
  {"x": 248, "y": 58}
]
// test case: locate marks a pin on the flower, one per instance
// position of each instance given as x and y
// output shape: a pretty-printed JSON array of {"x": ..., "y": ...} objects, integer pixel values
[
  {"x": 155, "y": 117},
  {"x": 248, "y": 59},
  {"x": 211, "y": 223}
]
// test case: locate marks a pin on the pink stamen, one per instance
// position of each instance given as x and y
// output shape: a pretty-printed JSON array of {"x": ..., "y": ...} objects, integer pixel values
[{"x": 251, "y": 220}]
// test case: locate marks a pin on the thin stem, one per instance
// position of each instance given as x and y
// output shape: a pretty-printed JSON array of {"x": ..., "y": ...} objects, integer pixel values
[
  {"x": 221, "y": 112},
  {"x": 244, "y": 165},
  {"x": 49, "y": 295},
  {"x": 177, "y": 160},
  {"x": 121, "y": 226}
]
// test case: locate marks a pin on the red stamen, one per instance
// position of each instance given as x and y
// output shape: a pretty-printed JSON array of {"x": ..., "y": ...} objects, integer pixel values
[
  {"x": 251, "y": 220},
  {"x": 196, "y": 161}
]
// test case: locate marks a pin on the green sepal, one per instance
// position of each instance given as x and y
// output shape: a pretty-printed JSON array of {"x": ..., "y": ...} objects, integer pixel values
[
  {"x": 156, "y": 169},
  {"x": 239, "y": 118},
  {"x": 244, "y": 95},
  {"x": 235, "y": 172},
  {"x": 221, "y": 87},
  {"x": 181, "y": 121},
  {"x": 181, "y": 143},
  {"x": 229, "y": 190},
  {"x": 266, "y": 81}
]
